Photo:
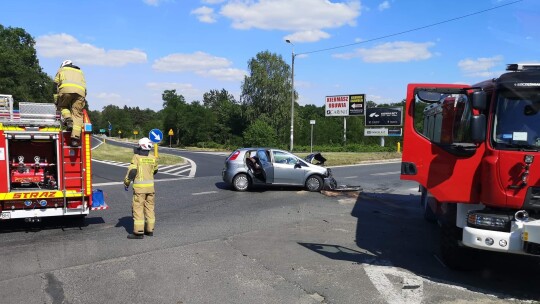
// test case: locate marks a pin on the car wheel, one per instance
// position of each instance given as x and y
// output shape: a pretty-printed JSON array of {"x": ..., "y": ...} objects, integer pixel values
[
  {"x": 241, "y": 182},
  {"x": 314, "y": 183}
]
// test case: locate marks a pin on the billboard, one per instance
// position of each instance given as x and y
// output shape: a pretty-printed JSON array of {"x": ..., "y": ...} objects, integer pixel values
[
  {"x": 384, "y": 116},
  {"x": 345, "y": 105}
]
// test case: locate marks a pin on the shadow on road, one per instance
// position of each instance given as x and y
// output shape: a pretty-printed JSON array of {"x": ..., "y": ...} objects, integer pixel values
[
  {"x": 126, "y": 222},
  {"x": 391, "y": 231},
  {"x": 49, "y": 223}
]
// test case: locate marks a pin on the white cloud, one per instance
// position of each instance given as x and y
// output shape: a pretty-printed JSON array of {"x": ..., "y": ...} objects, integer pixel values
[
  {"x": 383, "y": 6},
  {"x": 151, "y": 2},
  {"x": 200, "y": 63},
  {"x": 306, "y": 18},
  {"x": 205, "y": 14},
  {"x": 155, "y": 2},
  {"x": 65, "y": 46},
  {"x": 187, "y": 90},
  {"x": 308, "y": 36},
  {"x": 480, "y": 67},
  {"x": 399, "y": 51},
  {"x": 225, "y": 74}
]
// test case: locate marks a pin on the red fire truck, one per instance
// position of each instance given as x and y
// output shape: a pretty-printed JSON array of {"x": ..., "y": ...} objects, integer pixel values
[
  {"x": 472, "y": 149},
  {"x": 40, "y": 174}
]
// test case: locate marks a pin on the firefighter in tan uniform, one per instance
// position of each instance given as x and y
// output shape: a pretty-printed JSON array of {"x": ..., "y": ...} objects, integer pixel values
[
  {"x": 141, "y": 172},
  {"x": 71, "y": 89}
]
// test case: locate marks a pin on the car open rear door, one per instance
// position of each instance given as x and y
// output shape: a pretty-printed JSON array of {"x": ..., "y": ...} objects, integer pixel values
[
  {"x": 264, "y": 157},
  {"x": 437, "y": 152}
]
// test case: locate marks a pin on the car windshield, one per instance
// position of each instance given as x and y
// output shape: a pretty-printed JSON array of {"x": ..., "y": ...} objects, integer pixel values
[{"x": 517, "y": 121}]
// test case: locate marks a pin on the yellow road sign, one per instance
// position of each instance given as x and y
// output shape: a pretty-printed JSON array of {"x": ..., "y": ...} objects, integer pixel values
[{"x": 171, "y": 133}]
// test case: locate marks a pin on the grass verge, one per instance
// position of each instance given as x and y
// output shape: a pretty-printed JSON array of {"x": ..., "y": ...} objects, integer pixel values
[
  {"x": 352, "y": 158},
  {"x": 124, "y": 155}
]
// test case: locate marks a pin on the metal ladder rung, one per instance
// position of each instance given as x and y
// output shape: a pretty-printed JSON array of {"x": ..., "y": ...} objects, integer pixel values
[{"x": 80, "y": 178}]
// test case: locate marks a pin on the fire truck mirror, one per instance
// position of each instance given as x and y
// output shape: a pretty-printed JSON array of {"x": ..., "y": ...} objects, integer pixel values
[
  {"x": 429, "y": 96},
  {"x": 479, "y": 100},
  {"x": 531, "y": 109},
  {"x": 478, "y": 128}
]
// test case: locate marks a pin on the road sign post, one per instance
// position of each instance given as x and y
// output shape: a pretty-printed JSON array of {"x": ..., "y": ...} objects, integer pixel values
[
  {"x": 311, "y": 122},
  {"x": 171, "y": 134},
  {"x": 155, "y": 136}
]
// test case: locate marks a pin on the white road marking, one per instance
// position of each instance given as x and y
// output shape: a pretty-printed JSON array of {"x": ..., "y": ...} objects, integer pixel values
[
  {"x": 155, "y": 181},
  {"x": 351, "y": 177},
  {"x": 412, "y": 289},
  {"x": 387, "y": 173},
  {"x": 203, "y": 193},
  {"x": 100, "y": 143}
]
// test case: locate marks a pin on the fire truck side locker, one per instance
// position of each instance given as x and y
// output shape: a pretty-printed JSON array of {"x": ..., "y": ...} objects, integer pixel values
[{"x": 4, "y": 171}]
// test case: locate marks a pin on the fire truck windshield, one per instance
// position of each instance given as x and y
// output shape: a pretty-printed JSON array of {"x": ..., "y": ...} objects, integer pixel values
[{"x": 517, "y": 121}]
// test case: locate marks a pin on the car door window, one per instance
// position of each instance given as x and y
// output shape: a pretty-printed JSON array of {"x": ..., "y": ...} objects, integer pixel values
[{"x": 281, "y": 157}]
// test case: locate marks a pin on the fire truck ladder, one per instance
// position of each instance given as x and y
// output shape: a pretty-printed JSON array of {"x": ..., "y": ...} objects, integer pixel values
[{"x": 66, "y": 135}]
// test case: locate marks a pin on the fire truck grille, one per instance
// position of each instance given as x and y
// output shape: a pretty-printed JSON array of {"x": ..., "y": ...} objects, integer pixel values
[{"x": 532, "y": 200}]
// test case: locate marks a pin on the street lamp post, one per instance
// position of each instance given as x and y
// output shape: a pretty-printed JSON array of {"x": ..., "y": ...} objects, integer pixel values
[{"x": 292, "y": 93}]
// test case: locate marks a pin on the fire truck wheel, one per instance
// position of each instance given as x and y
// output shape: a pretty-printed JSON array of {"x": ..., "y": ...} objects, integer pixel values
[{"x": 453, "y": 255}]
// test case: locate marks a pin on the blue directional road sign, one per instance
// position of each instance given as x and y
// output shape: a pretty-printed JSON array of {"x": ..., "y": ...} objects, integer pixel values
[{"x": 155, "y": 135}]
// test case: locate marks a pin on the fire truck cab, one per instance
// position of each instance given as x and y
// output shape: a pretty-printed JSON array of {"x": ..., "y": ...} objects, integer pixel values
[
  {"x": 40, "y": 174},
  {"x": 472, "y": 149}
]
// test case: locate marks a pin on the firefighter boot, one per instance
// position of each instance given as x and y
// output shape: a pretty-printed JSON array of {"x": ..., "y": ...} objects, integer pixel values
[
  {"x": 75, "y": 142},
  {"x": 68, "y": 124},
  {"x": 149, "y": 233},
  {"x": 135, "y": 236}
]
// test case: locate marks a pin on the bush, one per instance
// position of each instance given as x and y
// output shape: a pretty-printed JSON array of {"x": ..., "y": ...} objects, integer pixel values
[{"x": 346, "y": 148}]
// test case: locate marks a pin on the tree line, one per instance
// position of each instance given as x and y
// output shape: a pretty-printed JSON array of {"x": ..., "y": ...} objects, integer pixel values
[{"x": 261, "y": 116}]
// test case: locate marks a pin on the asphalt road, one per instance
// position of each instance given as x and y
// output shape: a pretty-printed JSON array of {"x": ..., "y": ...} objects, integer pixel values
[{"x": 270, "y": 245}]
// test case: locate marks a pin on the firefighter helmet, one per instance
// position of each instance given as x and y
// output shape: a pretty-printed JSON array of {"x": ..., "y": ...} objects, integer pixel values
[
  {"x": 66, "y": 62},
  {"x": 145, "y": 144}
]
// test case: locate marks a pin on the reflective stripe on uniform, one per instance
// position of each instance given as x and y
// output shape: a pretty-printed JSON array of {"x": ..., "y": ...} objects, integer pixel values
[
  {"x": 70, "y": 82},
  {"x": 138, "y": 222},
  {"x": 139, "y": 185}
]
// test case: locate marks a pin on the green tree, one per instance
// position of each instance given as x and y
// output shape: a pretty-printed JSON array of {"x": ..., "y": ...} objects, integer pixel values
[
  {"x": 20, "y": 72},
  {"x": 266, "y": 92},
  {"x": 260, "y": 134},
  {"x": 229, "y": 123},
  {"x": 174, "y": 106}
]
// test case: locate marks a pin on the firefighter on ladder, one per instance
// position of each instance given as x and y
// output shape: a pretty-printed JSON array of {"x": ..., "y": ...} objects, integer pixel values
[
  {"x": 71, "y": 98},
  {"x": 141, "y": 171}
]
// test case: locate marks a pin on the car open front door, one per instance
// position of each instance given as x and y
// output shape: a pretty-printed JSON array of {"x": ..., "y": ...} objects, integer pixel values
[
  {"x": 264, "y": 157},
  {"x": 287, "y": 168},
  {"x": 438, "y": 151}
]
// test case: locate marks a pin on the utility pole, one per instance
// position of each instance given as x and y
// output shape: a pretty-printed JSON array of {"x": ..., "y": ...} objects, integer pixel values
[{"x": 292, "y": 94}]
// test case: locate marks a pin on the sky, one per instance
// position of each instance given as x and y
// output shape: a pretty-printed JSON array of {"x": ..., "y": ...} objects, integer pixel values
[{"x": 133, "y": 50}]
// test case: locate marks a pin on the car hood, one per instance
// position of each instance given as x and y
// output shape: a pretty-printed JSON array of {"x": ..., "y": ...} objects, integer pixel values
[{"x": 315, "y": 158}]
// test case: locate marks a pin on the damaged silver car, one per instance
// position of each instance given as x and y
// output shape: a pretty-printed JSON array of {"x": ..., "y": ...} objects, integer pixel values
[{"x": 247, "y": 167}]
